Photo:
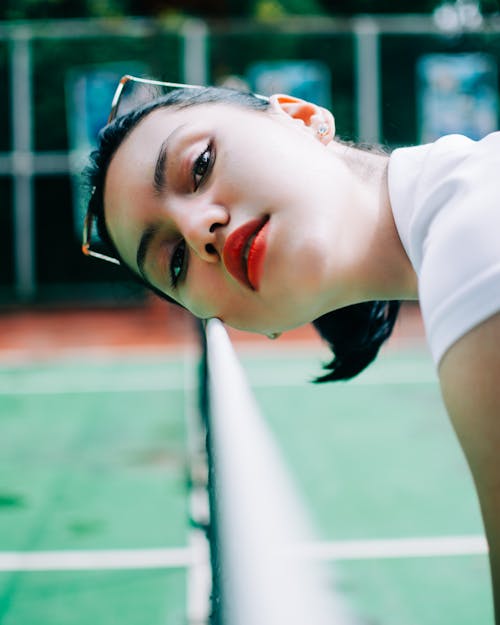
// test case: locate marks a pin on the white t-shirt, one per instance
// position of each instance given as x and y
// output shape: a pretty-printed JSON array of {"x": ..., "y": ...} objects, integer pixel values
[{"x": 445, "y": 199}]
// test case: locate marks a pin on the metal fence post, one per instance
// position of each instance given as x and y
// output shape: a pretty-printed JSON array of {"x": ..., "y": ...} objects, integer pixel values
[
  {"x": 22, "y": 139},
  {"x": 367, "y": 80},
  {"x": 195, "y": 62}
]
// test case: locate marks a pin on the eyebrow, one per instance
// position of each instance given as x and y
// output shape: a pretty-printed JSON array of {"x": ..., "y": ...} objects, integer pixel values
[
  {"x": 159, "y": 182},
  {"x": 142, "y": 250},
  {"x": 159, "y": 185},
  {"x": 150, "y": 231}
]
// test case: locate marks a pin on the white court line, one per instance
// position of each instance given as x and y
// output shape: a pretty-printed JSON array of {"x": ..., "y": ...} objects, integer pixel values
[
  {"x": 53, "y": 385},
  {"x": 111, "y": 354},
  {"x": 426, "y": 547},
  {"x": 270, "y": 379},
  {"x": 96, "y": 560}
]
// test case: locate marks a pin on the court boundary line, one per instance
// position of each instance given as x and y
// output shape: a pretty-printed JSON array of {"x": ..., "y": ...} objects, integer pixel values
[
  {"x": 394, "y": 548},
  {"x": 184, "y": 557},
  {"x": 124, "y": 384},
  {"x": 75, "y": 560}
]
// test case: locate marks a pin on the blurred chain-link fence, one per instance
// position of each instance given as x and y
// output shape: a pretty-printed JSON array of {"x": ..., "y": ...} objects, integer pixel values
[{"x": 370, "y": 66}]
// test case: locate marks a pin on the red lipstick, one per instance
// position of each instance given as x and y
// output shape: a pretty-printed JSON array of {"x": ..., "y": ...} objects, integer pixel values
[{"x": 244, "y": 252}]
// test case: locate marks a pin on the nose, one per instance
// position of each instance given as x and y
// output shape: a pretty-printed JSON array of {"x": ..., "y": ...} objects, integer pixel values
[{"x": 200, "y": 227}]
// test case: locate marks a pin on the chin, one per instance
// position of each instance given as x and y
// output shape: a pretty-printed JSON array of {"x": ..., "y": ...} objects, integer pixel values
[{"x": 272, "y": 326}]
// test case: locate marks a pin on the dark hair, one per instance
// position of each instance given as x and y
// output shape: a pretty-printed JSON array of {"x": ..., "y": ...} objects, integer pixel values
[{"x": 354, "y": 333}]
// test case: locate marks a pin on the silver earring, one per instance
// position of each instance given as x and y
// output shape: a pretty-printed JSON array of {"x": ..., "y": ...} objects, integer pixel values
[
  {"x": 273, "y": 335},
  {"x": 322, "y": 130}
]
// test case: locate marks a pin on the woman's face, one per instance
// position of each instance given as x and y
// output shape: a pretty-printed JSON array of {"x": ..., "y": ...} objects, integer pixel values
[{"x": 234, "y": 213}]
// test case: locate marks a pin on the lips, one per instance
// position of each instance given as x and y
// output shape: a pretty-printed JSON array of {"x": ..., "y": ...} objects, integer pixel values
[{"x": 244, "y": 252}]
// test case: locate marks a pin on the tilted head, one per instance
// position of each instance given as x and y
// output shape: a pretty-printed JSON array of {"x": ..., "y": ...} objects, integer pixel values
[
  {"x": 115, "y": 132},
  {"x": 207, "y": 195},
  {"x": 222, "y": 201}
]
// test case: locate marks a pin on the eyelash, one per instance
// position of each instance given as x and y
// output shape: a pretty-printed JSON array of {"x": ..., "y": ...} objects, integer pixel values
[
  {"x": 177, "y": 263},
  {"x": 206, "y": 165},
  {"x": 178, "y": 260}
]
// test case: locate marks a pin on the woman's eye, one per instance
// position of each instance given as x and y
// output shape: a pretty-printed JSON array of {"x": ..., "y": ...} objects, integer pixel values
[
  {"x": 202, "y": 165},
  {"x": 177, "y": 263}
]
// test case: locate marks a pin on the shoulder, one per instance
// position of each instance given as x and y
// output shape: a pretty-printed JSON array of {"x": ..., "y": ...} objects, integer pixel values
[
  {"x": 424, "y": 179},
  {"x": 450, "y": 224},
  {"x": 414, "y": 172}
]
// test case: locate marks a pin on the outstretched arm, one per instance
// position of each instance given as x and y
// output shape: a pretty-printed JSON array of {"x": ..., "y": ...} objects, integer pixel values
[{"x": 470, "y": 382}]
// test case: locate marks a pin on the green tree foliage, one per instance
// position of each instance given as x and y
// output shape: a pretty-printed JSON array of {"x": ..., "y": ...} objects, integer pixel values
[
  {"x": 48, "y": 9},
  {"x": 350, "y": 7}
]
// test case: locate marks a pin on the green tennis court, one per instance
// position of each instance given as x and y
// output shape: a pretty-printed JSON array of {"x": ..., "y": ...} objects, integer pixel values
[{"x": 94, "y": 488}]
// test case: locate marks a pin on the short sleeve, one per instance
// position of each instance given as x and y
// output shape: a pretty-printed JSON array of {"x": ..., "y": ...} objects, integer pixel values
[{"x": 446, "y": 203}]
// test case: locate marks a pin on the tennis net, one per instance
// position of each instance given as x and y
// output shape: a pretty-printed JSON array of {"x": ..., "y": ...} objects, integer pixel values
[{"x": 256, "y": 522}]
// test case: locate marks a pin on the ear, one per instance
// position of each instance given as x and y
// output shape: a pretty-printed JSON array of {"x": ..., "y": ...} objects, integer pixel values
[{"x": 317, "y": 119}]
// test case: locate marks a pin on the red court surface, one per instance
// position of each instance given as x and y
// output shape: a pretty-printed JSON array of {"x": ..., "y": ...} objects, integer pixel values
[{"x": 45, "y": 334}]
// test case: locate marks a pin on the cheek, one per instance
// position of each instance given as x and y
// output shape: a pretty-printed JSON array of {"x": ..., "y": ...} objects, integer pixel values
[
  {"x": 259, "y": 175},
  {"x": 206, "y": 292},
  {"x": 199, "y": 305},
  {"x": 212, "y": 295}
]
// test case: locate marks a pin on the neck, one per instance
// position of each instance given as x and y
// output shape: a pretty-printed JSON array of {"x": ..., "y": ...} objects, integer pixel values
[{"x": 379, "y": 266}]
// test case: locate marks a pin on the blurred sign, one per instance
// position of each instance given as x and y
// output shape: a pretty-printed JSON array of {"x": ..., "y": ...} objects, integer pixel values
[
  {"x": 308, "y": 80},
  {"x": 457, "y": 93},
  {"x": 89, "y": 93}
]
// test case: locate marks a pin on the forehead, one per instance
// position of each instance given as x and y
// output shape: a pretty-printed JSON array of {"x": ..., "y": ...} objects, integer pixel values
[
  {"x": 169, "y": 118},
  {"x": 142, "y": 143}
]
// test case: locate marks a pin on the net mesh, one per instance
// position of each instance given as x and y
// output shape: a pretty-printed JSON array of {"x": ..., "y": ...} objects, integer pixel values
[{"x": 257, "y": 523}]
